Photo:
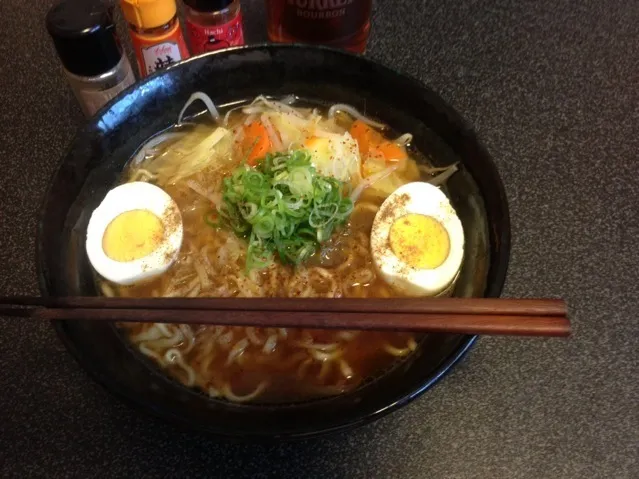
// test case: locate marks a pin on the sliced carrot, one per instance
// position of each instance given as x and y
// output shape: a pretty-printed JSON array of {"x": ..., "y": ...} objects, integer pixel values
[
  {"x": 391, "y": 151},
  {"x": 365, "y": 136},
  {"x": 256, "y": 142}
]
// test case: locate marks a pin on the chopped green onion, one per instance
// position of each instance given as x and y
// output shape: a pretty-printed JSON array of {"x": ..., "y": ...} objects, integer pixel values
[{"x": 283, "y": 207}]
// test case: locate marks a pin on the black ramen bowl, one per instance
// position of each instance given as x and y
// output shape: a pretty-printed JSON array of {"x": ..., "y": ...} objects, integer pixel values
[{"x": 103, "y": 147}]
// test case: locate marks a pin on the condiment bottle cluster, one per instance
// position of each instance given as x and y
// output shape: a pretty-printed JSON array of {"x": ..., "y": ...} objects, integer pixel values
[{"x": 85, "y": 37}]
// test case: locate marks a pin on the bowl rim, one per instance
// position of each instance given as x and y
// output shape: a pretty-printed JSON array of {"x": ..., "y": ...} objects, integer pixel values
[{"x": 493, "y": 289}]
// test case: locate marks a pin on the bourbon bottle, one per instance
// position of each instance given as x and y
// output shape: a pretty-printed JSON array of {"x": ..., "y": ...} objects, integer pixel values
[{"x": 337, "y": 23}]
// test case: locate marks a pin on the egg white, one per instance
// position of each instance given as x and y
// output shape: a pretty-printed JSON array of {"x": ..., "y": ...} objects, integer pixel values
[
  {"x": 134, "y": 196},
  {"x": 424, "y": 199}
]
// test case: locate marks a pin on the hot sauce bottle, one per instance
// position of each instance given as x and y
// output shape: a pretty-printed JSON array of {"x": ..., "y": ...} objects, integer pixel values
[
  {"x": 338, "y": 23},
  {"x": 213, "y": 24},
  {"x": 155, "y": 33}
]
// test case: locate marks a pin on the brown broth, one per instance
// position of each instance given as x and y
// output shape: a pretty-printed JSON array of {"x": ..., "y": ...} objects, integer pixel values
[{"x": 272, "y": 365}]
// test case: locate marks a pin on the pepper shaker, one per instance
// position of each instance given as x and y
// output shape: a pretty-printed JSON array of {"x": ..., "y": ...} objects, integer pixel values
[{"x": 85, "y": 40}]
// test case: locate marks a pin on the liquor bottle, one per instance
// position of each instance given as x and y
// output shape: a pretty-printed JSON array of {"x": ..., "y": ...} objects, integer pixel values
[{"x": 337, "y": 23}]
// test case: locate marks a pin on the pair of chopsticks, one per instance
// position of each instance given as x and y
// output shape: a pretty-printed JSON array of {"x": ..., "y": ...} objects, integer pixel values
[{"x": 491, "y": 316}]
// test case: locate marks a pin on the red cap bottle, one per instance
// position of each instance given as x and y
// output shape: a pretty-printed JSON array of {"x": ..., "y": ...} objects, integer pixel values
[{"x": 213, "y": 24}]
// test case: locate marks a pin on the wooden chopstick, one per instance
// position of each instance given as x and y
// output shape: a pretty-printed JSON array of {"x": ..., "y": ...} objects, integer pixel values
[
  {"x": 505, "y": 306},
  {"x": 523, "y": 317}
]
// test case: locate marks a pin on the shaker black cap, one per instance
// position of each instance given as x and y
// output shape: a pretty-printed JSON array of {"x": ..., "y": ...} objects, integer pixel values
[
  {"x": 208, "y": 5},
  {"x": 84, "y": 36}
]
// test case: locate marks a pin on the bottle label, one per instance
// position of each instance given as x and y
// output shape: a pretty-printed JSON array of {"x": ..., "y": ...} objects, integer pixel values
[
  {"x": 160, "y": 56},
  {"x": 206, "y": 38},
  {"x": 158, "y": 53},
  {"x": 324, "y": 20}
]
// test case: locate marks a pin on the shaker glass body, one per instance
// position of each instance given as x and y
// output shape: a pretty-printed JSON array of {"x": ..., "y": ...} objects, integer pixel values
[{"x": 93, "y": 92}]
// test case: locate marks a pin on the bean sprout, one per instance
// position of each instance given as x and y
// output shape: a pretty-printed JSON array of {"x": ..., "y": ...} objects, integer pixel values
[
  {"x": 404, "y": 139},
  {"x": 355, "y": 114},
  {"x": 204, "y": 98},
  {"x": 346, "y": 370},
  {"x": 442, "y": 177},
  {"x": 371, "y": 180}
]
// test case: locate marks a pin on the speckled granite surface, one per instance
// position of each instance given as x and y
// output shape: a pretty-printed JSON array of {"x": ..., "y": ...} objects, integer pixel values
[{"x": 553, "y": 90}]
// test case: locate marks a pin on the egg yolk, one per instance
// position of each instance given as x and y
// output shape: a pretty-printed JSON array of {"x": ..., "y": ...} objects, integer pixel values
[
  {"x": 420, "y": 241},
  {"x": 132, "y": 235}
]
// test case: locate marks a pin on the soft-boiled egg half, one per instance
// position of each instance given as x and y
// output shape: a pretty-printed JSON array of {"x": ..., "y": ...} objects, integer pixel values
[
  {"x": 135, "y": 234},
  {"x": 417, "y": 240}
]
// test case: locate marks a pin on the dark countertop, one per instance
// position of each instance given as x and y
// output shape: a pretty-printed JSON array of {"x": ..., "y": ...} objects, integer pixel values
[{"x": 553, "y": 90}]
